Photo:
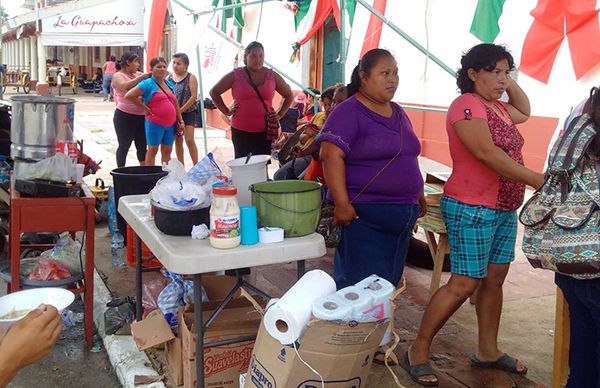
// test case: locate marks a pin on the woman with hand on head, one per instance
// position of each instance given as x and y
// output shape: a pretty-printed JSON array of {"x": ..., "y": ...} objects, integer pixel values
[
  {"x": 163, "y": 115},
  {"x": 248, "y": 117},
  {"x": 129, "y": 117},
  {"x": 186, "y": 90},
  {"x": 479, "y": 205},
  {"x": 369, "y": 153}
]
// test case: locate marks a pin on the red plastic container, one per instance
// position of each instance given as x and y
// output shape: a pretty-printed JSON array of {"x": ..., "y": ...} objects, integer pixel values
[{"x": 146, "y": 253}]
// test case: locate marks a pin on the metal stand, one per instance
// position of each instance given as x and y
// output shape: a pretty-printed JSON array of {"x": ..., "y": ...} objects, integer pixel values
[{"x": 197, "y": 299}]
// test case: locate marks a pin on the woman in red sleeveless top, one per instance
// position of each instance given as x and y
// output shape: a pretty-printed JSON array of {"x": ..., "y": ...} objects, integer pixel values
[{"x": 248, "y": 116}]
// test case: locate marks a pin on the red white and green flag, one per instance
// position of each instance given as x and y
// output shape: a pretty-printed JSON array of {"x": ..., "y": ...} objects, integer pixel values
[
  {"x": 311, "y": 14},
  {"x": 485, "y": 21}
]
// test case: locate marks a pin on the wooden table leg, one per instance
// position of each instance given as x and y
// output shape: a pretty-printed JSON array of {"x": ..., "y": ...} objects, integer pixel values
[
  {"x": 562, "y": 337},
  {"x": 88, "y": 273},
  {"x": 438, "y": 263}
]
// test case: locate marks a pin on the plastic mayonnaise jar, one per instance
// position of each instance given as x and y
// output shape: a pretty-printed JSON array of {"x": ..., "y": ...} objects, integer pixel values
[{"x": 224, "y": 218}]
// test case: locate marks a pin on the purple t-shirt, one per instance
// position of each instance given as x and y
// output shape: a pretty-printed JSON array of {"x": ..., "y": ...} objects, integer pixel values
[{"x": 369, "y": 141}]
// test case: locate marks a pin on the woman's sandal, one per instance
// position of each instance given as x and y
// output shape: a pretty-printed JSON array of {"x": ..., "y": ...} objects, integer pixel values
[
  {"x": 417, "y": 372},
  {"x": 505, "y": 363},
  {"x": 379, "y": 359}
]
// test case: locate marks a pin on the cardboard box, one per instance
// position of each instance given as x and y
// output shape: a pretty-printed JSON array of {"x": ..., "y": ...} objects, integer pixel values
[
  {"x": 342, "y": 353},
  {"x": 174, "y": 360},
  {"x": 222, "y": 364}
]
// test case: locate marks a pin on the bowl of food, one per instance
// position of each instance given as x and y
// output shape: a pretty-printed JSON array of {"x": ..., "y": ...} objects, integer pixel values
[{"x": 14, "y": 306}]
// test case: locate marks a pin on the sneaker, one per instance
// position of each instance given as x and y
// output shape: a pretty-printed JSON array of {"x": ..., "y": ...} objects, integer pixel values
[{"x": 105, "y": 99}]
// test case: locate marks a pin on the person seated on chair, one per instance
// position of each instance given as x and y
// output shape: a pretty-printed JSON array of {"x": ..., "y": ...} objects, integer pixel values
[{"x": 294, "y": 168}]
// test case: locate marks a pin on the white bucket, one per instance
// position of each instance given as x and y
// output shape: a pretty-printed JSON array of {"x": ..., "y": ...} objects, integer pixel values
[{"x": 245, "y": 174}]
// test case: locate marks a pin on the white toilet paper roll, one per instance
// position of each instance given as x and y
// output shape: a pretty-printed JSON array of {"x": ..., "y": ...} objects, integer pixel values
[
  {"x": 332, "y": 307},
  {"x": 286, "y": 320},
  {"x": 360, "y": 300},
  {"x": 380, "y": 290}
]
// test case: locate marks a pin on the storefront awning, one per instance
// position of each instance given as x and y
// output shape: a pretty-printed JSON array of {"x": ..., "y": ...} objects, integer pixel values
[{"x": 118, "y": 23}]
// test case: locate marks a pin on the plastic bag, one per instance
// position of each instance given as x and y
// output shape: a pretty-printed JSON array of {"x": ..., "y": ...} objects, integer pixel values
[
  {"x": 119, "y": 315},
  {"x": 177, "y": 293},
  {"x": 49, "y": 269},
  {"x": 66, "y": 250},
  {"x": 58, "y": 167},
  {"x": 204, "y": 169},
  {"x": 177, "y": 191},
  {"x": 150, "y": 293}
]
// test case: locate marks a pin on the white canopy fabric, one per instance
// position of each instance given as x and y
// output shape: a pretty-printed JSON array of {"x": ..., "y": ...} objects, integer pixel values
[{"x": 87, "y": 39}]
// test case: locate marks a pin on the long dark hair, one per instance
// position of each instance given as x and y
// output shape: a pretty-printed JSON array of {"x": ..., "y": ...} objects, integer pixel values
[
  {"x": 127, "y": 57},
  {"x": 483, "y": 56},
  {"x": 367, "y": 62}
]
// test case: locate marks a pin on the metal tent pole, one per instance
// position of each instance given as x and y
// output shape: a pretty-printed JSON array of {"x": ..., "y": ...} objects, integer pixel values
[{"x": 407, "y": 37}]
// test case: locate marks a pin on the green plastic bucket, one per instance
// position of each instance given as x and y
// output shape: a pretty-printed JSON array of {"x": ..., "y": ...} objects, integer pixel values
[{"x": 294, "y": 205}]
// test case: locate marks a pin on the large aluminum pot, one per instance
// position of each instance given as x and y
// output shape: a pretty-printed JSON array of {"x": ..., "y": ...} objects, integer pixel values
[{"x": 38, "y": 122}]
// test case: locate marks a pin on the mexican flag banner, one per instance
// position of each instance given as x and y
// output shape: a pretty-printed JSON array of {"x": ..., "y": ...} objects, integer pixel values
[
  {"x": 485, "y": 21},
  {"x": 311, "y": 14}
]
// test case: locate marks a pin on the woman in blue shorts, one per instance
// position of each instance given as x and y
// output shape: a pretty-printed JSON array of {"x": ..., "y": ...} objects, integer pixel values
[{"x": 163, "y": 115}]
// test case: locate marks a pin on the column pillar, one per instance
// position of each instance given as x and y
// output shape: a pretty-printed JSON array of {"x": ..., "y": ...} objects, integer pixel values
[
  {"x": 34, "y": 58},
  {"x": 22, "y": 62},
  {"x": 42, "y": 87},
  {"x": 27, "y": 48}
]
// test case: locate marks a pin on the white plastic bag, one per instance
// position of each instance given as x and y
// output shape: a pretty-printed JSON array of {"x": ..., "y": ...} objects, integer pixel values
[
  {"x": 204, "y": 169},
  {"x": 176, "y": 191},
  {"x": 58, "y": 167}
]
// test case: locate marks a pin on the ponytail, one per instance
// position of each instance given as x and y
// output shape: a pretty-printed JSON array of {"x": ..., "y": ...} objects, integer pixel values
[
  {"x": 118, "y": 65},
  {"x": 367, "y": 62}
]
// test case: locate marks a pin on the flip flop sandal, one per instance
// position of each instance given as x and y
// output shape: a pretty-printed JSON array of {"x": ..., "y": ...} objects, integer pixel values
[
  {"x": 417, "y": 372},
  {"x": 505, "y": 363},
  {"x": 381, "y": 359}
]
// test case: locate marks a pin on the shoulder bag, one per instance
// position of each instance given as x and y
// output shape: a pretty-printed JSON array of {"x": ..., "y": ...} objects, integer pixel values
[
  {"x": 272, "y": 124},
  {"x": 326, "y": 227}
]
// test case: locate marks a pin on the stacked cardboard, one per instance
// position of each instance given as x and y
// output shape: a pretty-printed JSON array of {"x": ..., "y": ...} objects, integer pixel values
[{"x": 222, "y": 364}]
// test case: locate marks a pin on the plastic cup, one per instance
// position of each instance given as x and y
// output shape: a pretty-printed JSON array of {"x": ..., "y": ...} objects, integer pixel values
[
  {"x": 79, "y": 172},
  {"x": 249, "y": 225}
]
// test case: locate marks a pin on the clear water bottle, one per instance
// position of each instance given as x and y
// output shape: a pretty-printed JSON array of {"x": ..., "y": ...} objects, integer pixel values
[
  {"x": 112, "y": 211},
  {"x": 117, "y": 249}
]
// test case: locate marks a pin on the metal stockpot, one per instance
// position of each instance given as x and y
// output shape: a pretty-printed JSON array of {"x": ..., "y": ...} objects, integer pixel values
[{"x": 38, "y": 122}]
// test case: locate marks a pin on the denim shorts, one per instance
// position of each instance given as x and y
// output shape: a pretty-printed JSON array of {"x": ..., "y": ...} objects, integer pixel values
[
  {"x": 478, "y": 236},
  {"x": 192, "y": 119}
]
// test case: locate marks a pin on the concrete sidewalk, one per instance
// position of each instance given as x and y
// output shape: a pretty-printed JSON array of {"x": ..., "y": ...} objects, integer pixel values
[{"x": 528, "y": 317}]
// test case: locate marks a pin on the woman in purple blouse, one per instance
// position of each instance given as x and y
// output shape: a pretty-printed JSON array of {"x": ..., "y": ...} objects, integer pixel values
[{"x": 369, "y": 153}]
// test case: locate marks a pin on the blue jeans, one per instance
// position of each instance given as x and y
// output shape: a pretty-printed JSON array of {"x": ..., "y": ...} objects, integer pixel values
[
  {"x": 375, "y": 243},
  {"x": 583, "y": 297},
  {"x": 106, "y": 88}
]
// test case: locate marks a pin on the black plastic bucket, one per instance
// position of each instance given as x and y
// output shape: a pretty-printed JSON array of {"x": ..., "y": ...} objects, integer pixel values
[
  {"x": 180, "y": 223},
  {"x": 134, "y": 180}
]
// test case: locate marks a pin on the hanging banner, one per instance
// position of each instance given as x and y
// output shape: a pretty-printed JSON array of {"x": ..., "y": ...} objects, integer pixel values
[
  {"x": 119, "y": 23},
  {"x": 217, "y": 56}
]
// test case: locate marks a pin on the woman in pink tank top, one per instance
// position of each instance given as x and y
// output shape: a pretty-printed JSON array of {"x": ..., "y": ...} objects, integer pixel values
[
  {"x": 129, "y": 119},
  {"x": 248, "y": 116}
]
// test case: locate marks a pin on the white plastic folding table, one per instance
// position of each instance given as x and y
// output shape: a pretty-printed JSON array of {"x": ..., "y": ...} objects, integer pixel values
[{"x": 185, "y": 256}]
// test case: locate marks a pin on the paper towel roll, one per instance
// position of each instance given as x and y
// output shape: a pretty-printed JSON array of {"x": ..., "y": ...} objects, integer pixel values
[
  {"x": 286, "y": 320},
  {"x": 332, "y": 307},
  {"x": 359, "y": 300},
  {"x": 380, "y": 290}
]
